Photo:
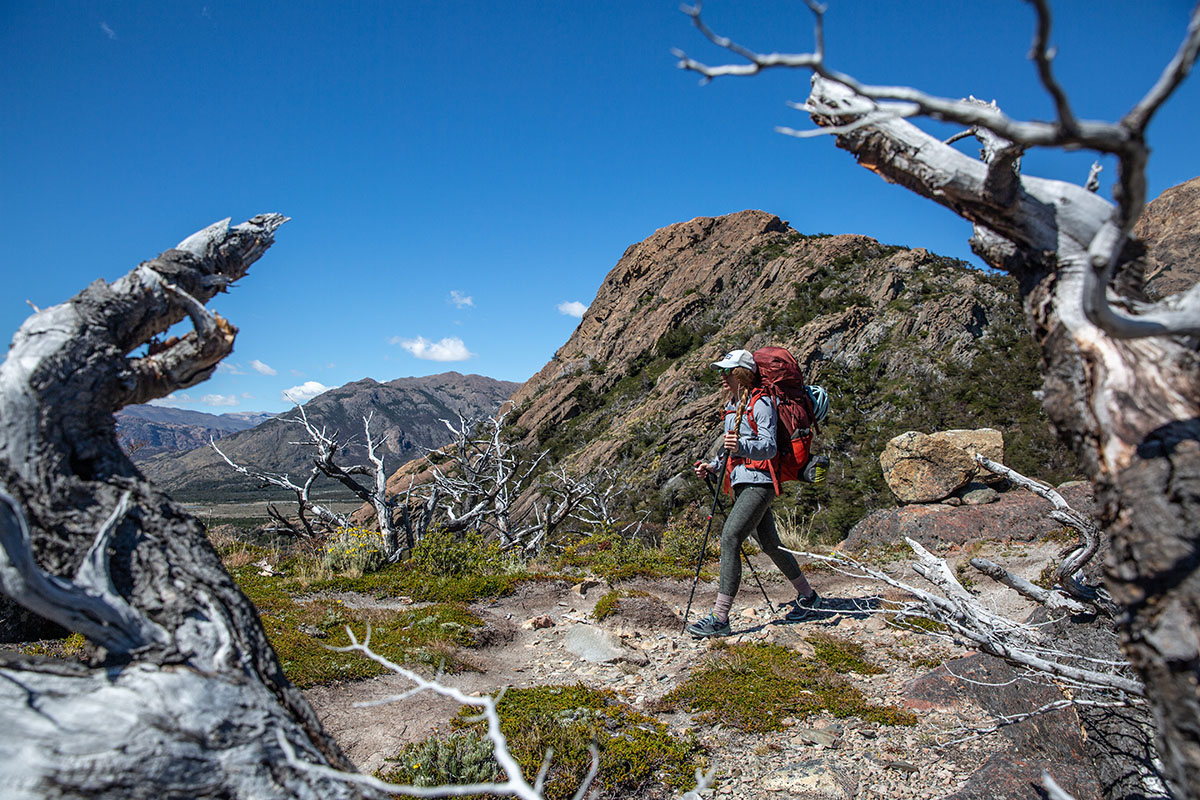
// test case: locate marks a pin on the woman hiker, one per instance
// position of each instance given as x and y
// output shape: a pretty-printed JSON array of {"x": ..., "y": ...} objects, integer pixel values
[{"x": 748, "y": 453}]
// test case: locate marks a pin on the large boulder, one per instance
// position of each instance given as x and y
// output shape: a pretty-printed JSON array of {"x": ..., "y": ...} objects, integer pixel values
[
  {"x": 926, "y": 468},
  {"x": 1018, "y": 515},
  {"x": 987, "y": 442}
]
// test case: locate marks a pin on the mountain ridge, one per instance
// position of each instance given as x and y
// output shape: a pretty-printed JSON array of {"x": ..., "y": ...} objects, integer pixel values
[
  {"x": 148, "y": 430},
  {"x": 406, "y": 415}
]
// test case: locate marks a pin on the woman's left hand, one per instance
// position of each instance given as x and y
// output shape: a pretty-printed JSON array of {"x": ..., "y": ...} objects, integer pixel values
[{"x": 731, "y": 442}]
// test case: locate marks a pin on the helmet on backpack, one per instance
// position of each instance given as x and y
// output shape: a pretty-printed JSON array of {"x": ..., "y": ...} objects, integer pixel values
[{"x": 820, "y": 401}]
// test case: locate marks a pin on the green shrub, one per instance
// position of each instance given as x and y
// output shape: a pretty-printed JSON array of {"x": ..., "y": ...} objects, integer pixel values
[
  {"x": 752, "y": 687},
  {"x": 681, "y": 542},
  {"x": 614, "y": 557},
  {"x": 463, "y": 757},
  {"x": 842, "y": 655},
  {"x": 636, "y": 751},
  {"x": 442, "y": 554},
  {"x": 299, "y": 632},
  {"x": 354, "y": 550}
]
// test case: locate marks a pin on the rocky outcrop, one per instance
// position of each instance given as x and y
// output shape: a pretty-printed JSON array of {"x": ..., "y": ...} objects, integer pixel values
[
  {"x": 1053, "y": 743},
  {"x": 1170, "y": 228},
  {"x": 926, "y": 468},
  {"x": 1018, "y": 515},
  {"x": 632, "y": 388}
]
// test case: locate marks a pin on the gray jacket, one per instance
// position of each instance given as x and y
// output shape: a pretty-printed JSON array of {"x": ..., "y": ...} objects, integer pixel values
[{"x": 758, "y": 447}]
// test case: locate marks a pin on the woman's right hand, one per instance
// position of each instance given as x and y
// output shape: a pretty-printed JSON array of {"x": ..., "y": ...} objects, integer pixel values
[{"x": 703, "y": 469}]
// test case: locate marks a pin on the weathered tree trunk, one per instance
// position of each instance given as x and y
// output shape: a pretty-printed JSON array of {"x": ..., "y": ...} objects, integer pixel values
[
  {"x": 187, "y": 698},
  {"x": 1130, "y": 407}
]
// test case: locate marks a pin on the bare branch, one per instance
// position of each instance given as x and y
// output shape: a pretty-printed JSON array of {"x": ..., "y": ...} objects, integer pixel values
[
  {"x": 859, "y": 106},
  {"x": 1013, "y": 719},
  {"x": 1051, "y": 600},
  {"x": 1042, "y": 55},
  {"x": 284, "y": 482},
  {"x": 1173, "y": 74},
  {"x": 965, "y": 618},
  {"x": 515, "y": 786},
  {"x": 1089, "y": 534},
  {"x": 1093, "y": 179}
]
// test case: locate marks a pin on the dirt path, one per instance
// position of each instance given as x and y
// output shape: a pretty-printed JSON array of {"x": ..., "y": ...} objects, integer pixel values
[{"x": 835, "y": 758}]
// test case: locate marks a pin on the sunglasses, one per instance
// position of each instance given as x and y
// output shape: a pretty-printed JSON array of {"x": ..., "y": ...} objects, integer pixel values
[{"x": 726, "y": 370}]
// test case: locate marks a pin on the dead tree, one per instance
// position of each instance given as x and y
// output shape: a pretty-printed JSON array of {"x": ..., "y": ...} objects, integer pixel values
[
  {"x": 326, "y": 447},
  {"x": 186, "y": 697},
  {"x": 305, "y": 505},
  {"x": 483, "y": 478},
  {"x": 1122, "y": 376}
]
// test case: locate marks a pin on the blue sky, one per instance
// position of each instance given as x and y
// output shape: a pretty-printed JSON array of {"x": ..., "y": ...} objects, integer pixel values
[{"x": 460, "y": 174}]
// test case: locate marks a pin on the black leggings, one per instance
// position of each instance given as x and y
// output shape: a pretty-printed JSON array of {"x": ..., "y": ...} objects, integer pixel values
[{"x": 751, "y": 515}]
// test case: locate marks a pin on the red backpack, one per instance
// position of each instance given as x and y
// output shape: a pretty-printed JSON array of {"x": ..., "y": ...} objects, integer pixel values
[{"x": 783, "y": 381}]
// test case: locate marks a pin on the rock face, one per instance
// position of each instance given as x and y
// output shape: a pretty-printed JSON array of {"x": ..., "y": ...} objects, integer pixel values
[
  {"x": 1019, "y": 515},
  {"x": 407, "y": 413},
  {"x": 633, "y": 389},
  {"x": 146, "y": 431},
  {"x": 1170, "y": 228},
  {"x": 926, "y": 468}
]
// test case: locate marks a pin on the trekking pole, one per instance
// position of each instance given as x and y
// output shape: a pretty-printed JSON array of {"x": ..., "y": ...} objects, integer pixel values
[
  {"x": 754, "y": 572},
  {"x": 703, "y": 547}
]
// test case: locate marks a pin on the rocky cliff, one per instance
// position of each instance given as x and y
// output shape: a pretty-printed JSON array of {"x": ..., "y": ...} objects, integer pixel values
[
  {"x": 407, "y": 414},
  {"x": 147, "y": 431},
  {"x": 902, "y": 338},
  {"x": 1170, "y": 229}
]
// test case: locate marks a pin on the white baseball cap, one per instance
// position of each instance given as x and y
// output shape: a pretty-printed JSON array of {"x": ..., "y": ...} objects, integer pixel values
[{"x": 737, "y": 358}]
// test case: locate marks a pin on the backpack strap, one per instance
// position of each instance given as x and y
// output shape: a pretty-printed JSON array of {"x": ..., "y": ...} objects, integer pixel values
[{"x": 733, "y": 460}]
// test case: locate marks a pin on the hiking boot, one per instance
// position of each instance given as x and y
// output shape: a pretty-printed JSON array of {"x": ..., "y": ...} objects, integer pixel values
[
  {"x": 803, "y": 607},
  {"x": 709, "y": 627},
  {"x": 814, "y": 471}
]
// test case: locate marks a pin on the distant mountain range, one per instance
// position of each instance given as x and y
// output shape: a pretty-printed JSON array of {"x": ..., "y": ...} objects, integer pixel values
[
  {"x": 146, "y": 431},
  {"x": 406, "y": 413}
]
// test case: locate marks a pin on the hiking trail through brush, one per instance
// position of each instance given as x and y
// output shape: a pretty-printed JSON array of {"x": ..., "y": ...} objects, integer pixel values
[{"x": 817, "y": 757}]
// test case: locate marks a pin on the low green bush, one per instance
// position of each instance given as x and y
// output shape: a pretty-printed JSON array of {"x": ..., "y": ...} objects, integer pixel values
[
  {"x": 613, "y": 557},
  {"x": 356, "y": 551},
  {"x": 442, "y": 554},
  {"x": 299, "y": 632},
  {"x": 463, "y": 757},
  {"x": 752, "y": 687},
  {"x": 842, "y": 655},
  {"x": 636, "y": 751}
]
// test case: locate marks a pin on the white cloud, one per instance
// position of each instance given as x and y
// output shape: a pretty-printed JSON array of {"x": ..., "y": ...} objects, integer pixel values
[
  {"x": 296, "y": 372},
  {"x": 109, "y": 32},
  {"x": 173, "y": 400},
  {"x": 449, "y": 349},
  {"x": 219, "y": 400},
  {"x": 572, "y": 309},
  {"x": 261, "y": 368},
  {"x": 460, "y": 300},
  {"x": 232, "y": 369},
  {"x": 304, "y": 392}
]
